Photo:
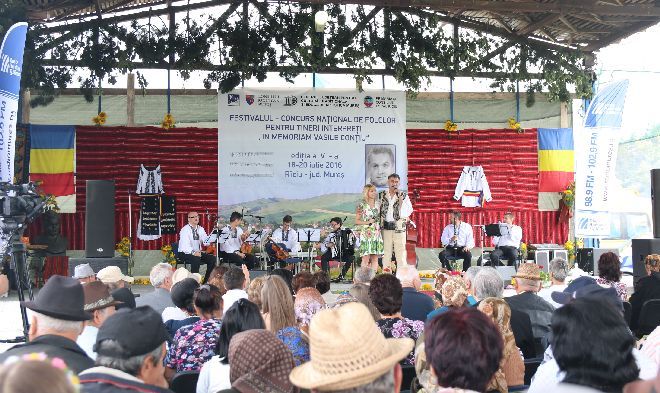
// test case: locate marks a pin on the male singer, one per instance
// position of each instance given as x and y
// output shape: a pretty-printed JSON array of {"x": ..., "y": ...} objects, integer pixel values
[
  {"x": 507, "y": 246},
  {"x": 395, "y": 208},
  {"x": 457, "y": 239},
  {"x": 191, "y": 238}
]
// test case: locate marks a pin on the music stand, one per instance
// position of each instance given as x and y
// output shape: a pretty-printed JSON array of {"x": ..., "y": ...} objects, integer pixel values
[
  {"x": 309, "y": 235},
  {"x": 492, "y": 230}
]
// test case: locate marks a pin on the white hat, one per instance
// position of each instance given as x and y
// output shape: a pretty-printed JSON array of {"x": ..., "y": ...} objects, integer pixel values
[
  {"x": 182, "y": 273},
  {"x": 83, "y": 271},
  {"x": 112, "y": 274}
]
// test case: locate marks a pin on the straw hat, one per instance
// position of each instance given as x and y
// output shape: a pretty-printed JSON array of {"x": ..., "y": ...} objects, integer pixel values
[
  {"x": 347, "y": 350},
  {"x": 111, "y": 274},
  {"x": 182, "y": 273},
  {"x": 529, "y": 271}
]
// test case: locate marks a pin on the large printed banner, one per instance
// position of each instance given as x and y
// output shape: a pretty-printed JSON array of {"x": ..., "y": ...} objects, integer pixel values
[
  {"x": 597, "y": 140},
  {"x": 307, "y": 152}
]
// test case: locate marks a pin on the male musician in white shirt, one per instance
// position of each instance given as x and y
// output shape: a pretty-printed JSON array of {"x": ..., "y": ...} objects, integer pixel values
[
  {"x": 507, "y": 246},
  {"x": 230, "y": 250},
  {"x": 285, "y": 237},
  {"x": 331, "y": 249},
  {"x": 457, "y": 239},
  {"x": 395, "y": 208},
  {"x": 191, "y": 239}
]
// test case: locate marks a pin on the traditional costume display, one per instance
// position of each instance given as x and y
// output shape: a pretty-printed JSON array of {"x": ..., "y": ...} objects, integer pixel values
[
  {"x": 150, "y": 181},
  {"x": 472, "y": 187}
]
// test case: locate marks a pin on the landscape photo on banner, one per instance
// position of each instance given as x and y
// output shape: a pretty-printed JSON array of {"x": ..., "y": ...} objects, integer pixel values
[{"x": 307, "y": 152}]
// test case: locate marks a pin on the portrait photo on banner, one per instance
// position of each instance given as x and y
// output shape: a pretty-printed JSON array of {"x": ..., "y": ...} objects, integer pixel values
[{"x": 379, "y": 163}]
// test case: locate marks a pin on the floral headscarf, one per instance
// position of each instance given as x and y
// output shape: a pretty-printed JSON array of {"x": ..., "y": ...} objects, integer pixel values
[
  {"x": 454, "y": 292},
  {"x": 308, "y": 302},
  {"x": 500, "y": 312}
]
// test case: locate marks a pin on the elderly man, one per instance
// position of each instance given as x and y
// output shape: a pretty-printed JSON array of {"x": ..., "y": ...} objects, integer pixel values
[
  {"x": 131, "y": 348},
  {"x": 161, "y": 279},
  {"x": 57, "y": 320},
  {"x": 468, "y": 277},
  {"x": 101, "y": 305},
  {"x": 364, "y": 275},
  {"x": 356, "y": 358},
  {"x": 84, "y": 273},
  {"x": 558, "y": 273},
  {"x": 113, "y": 277},
  {"x": 415, "y": 305},
  {"x": 527, "y": 300}
]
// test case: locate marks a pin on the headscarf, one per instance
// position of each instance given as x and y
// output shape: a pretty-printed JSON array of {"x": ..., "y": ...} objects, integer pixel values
[
  {"x": 454, "y": 292},
  {"x": 500, "y": 312},
  {"x": 260, "y": 363},
  {"x": 308, "y": 302}
]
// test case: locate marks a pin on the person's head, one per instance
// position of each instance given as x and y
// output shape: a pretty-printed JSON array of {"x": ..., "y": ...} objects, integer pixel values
[
  {"x": 99, "y": 303},
  {"x": 380, "y": 164},
  {"x": 37, "y": 373},
  {"x": 276, "y": 300},
  {"x": 286, "y": 275},
  {"x": 161, "y": 276},
  {"x": 609, "y": 267},
  {"x": 454, "y": 292},
  {"x": 355, "y": 358},
  {"x": 235, "y": 218},
  {"x": 499, "y": 311},
  {"x": 592, "y": 345},
  {"x": 409, "y": 277},
  {"x": 182, "y": 273},
  {"x": 364, "y": 275},
  {"x": 304, "y": 279},
  {"x": 133, "y": 341},
  {"x": 460, "y": 337},
  {"x": 113, "y": 277},
  {"x": 193, "y": 218},
  {"x": 322, "y": 280},
  {"x": 508, "y": 218},
  {"x": 488, "y": 283},
  {"x": 455, "y": 217},
  {"x": 241, "y": 316},
  {"x": 469, "y": 276},
  {"x": 528, "y": 278},
  {"x": 308, "y": 302},
  {"x": 360, "y": 292},
  {"x": 84, "y": 273},
  {"x": 234, "y": 278},
  {"x": 215, "y": 278},
  {"x": 182, "y": 295},
  {"x": 207, "y": 300},
  {"x": 254, "y": 290},
  {"x": 369, "y": 192},
  {"x": 51, "y": 223},
  {"x": 126, "y": 297},
  {"x": 335, "y": 223},
  {"x": 558, "y": 269},
  {"x": 586, "y": 286},
  {"x": 286, "y": 222},
  {"x": 386, "y": 294},
  {"x": 393, "y": 182},
  {"x": 652, "y": 263}
]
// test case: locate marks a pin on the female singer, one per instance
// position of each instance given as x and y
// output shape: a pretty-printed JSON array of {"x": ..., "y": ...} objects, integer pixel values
[{"x": 366, "y": 217}]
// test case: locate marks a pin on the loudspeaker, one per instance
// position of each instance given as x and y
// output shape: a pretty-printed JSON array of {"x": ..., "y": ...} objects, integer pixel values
[
  {"x": 563, "y": 254},
  {"x": 542, "y": 258},
  {"x": 585, "y": 259},
  {"x": 598, "y": 252},
  {"x": 100, "y": 219},
  {"x": 655, "y": 201},
  {"x": 640, "y": 249},
  {"x": 99, "y": 263}
]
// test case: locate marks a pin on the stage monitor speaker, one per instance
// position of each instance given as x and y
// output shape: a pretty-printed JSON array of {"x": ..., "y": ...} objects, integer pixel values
[
  {"x": 506, "y": 272},
  {"x": 585, "y": 259},
  {"x": 99, "y": 263},
  {"x": 598, "y": 252},
  {"x": 542, "y": 258},
  {"x": 640, "y": 249},
  {"x": 100, "y": 219},
  {"x": 563, "y": 254},
  {"x": 655, "y": 201}
]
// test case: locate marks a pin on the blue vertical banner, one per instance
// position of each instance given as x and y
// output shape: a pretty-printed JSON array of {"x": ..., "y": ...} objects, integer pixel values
[{"x": 11, "y": 66}]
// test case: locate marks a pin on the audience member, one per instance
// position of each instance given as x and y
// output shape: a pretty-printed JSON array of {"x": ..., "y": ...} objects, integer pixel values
[
  {"x": 527, "y": 285},
  {"x": 454, "y": 295},
  {"x": 558, "y": 272},
  {"x": 286, "y": 275},
  {"x": 356, "y": 358},
  {"x": 364, "y": 275},
  {"x": 648, "y": 288},
  {"x": 113, "y": 277},
  {"x": 216, "y": 277},
  {"x": 304, "y": 279},
  {"x": 280, "y": 318},
  {"x": 84, "y": 273},
  {"x": 194, "y": 344},
  {"x": 259, "y": 362},
  {"x": 386, "y": 294},
  {"x": 323, "y": 286},
  {"x": 101, "y": 306},
  {"x": 125, "y": 298},
  {"x": 360, "y": 293},
  {"x": 512, "y": 367},
  {"x": 235, "y": 280},
  {"x": 468, "y": 277},
  {"x": 464, "y": 349},
  {"x": 183, "y": 293},
  {"x": 609, "y": 274},
  {"x": 161, "y": 279},
  {"x": 57, "y": 320},
  {"x": 254, "y": 290},
  {"x": 182, "y": 273},
  {"x": 130, "y": 347},
  {"x": 308, "y": 302},
  {"x": 36, "y": 373},
  {"x": 416, "y": 305},
  {"x": 243, "y": 315}
]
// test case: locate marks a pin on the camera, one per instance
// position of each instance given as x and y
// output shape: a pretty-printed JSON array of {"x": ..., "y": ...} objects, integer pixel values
[{"x": 20, "y": 203}]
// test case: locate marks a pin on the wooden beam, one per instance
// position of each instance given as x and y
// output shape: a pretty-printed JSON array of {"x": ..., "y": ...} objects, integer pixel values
[
  {"x": 568, "y": 24},
  {"x": 130, "y": 99},
  {"x": 532, "y": 27},
  {"x": 635, "y": 28}
]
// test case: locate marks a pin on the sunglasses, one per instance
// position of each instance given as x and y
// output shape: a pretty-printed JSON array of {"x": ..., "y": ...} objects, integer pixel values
[{"x": 193, "y": 216}]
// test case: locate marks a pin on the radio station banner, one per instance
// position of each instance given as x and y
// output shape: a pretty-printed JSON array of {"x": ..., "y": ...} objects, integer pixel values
[
  {"x": 307, "y": 152},
  {"x": 597, "y": 136}
]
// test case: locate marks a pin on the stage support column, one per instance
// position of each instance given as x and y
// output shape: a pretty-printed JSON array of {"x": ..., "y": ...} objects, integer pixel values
[
  {"x": 563, "y": 114},
  {"x": 25, "y": 106},
  {"x": 130, "y": 100}
]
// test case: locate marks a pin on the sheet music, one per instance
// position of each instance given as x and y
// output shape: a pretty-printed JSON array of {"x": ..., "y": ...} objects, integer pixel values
[
  {"x": 504, "y": 230},
  {"x": 309, "y": 234}
]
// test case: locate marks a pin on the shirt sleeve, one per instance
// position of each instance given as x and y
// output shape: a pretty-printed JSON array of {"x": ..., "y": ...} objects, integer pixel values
[
  {"x": 406, "y": 208},
  {"x": 204, "y": 376},
  {"x": 185, "y": 240},
  {"x": 460, "y": 186},
  {"x": 446, "y": 236},
  {"x": 277, "y": 235},
  {"x": 486, "y": 189},
  {"x": 469, "y": 237},
  {"x": 516, "y": 234},
  {"x": 324, "y": 248},
  {"x": 203, "y": 236}
]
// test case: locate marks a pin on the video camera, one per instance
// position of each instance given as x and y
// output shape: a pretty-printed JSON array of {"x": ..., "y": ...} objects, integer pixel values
[{"x": 20, "y": 203}]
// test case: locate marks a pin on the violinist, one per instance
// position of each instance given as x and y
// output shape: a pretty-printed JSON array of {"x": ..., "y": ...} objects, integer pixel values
[
  {"x": 230, "y": 250},
  {"x": 286, "y": 239},
  {"x": 191, "y": 238},
  {"x": 339, "y": 245}
]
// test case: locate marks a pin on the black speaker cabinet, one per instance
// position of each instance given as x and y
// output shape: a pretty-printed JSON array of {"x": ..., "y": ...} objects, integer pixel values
[
  {"x": 655, "y": 201},
  {"x": 640, "y": 249},
  {"x": 100, "y": 219},
  {"x": 585, "y": 259},
  {"x": 99, "y": 263}
]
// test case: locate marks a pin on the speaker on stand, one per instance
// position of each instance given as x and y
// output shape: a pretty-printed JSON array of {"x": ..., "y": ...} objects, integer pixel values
[
  {"x": 100, "y": 219},
  {"x": 585, "y": 259}
]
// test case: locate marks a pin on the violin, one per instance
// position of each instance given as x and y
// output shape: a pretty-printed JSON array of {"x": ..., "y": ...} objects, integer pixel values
[
  {"x": 280, "y": 253},
  {"x": 246, "y": 248}
]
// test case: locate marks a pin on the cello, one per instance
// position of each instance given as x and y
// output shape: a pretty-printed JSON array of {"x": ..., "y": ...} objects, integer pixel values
[{"x": 411, "y": 236}]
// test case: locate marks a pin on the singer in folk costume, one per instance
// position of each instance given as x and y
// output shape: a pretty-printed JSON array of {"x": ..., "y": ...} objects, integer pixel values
[
  {"x": 457, "y": 239},
  {"x": 395, "y": 208},
  {"x": 367, "y": 217}
]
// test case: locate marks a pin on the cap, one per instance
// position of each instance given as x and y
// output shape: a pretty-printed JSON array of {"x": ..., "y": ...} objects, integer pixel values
[
  {"x": 83, "y": 271},
  {"x": 586, "y": 286},
  {"x": 110, "y": 274},
  {"x": 138, "y": 331}
]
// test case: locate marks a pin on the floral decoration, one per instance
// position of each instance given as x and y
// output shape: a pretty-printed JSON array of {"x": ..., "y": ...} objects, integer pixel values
[
  {"x": 451, "y": 126},
  {"x": 125, "y": 250},
  {"x": 100, "y": 119},
  {"x": 168, "y": 255},
  {"x": 523, "y": 251},
  {"x": 514, "y": 125},
  {"x": 568, "y": 195},
  {"x": 168, "y": 121}
]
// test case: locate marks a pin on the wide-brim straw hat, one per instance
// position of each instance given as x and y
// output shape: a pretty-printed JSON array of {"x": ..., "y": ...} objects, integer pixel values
[
  {"x": 529, "y": 271},
  {"x": 347, "y": 349}
]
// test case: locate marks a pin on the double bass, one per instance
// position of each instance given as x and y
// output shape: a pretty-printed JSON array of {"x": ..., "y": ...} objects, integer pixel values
[{"x": 411, "y": 236}]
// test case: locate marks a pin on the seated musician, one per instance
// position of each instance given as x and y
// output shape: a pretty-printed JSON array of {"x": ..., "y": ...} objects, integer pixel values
[
  {"x": 507, "y": 246},
  {"x": 339, "y": 241},
  {"x": 47, "y": 244},
  {"x": 191, "y": 239},
  {"x": 230, "y": 250},
  {"x": 285, "y": 238},
  {"x": 457, "y": 239}
]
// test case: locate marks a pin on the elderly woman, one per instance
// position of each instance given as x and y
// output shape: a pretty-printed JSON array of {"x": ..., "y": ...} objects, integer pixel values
[
  {"x": 254, "y": 290},
  {"x": 512, "y": 367},
  {"x": 647, "y": 288},
  {"x": 559, "y": 270},
  {"x": 609, "y": 274},
  {"x": 386, "y": 294},
  {"x": 361, "y": 293},
  {"x": 454, "y": 295},
  {"x": 308, "y": 302}
]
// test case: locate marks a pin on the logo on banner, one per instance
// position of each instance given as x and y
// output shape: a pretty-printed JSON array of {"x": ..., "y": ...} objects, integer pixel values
[
  {"x": 233, "y": 99},
  {"x": 368, "y": 101},
  {"x": 290, "y": 101},
  {"x": 592, "y": 223},
  {"x": 249, "y": 98}
]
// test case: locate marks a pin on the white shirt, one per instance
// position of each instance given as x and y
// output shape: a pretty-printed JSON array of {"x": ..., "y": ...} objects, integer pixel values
[
  {"x": 87, "y": 339},
  {"x": 512, "y": 239},
  {"x": 173, "y": 313},
  {"x": 292, "y": 239},
  {"x": 187, "y": 242},
  {"x": 405, "y": 209},
  {"x": 546, "y": 293},
  {"x": 234, "y": 242},
  {"x": 465, "y": 235},
  {"x": 231, "y": 297},
  {"x": 214, "y": 376}
]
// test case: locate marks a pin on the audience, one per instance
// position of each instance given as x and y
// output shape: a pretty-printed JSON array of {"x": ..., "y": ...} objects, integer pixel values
[
  {"x": 161, "y": 279},
  {"x": 386, "y": 294},
  {"x": 101, "y": 305},
  {"x": 609, "y": 274},
  {"x": 280, "y": 318},
  {"x": 243, "y": 315},
  {"x": 182, "y": 273},
  {"x": 323, "y": 286},
  {"x": 215, "y": 278},
  {"x": 308, "y": 302},
  {"x": 558, "y": 272},
  {"x": 647, "y": 288},
  {"x": 113, "y": 277},
  {"x": 454, "y": 295},
  {"x": 235, "y": 280},
  {"x": 304, "y": 279},
  {"x": 130, "y": 347},
  {"x": 360, "y": 293},
  {"x": 183, "y": 293},
  {"x": 194, "y": 344},
  {"x": 364, "y": 275},
  {"x": 356, "y": 358},
  {"x": 254, "y": 290},
  {"x": 84, "y": 273},
  {"x": 416, "y": 305},
  {"x": 56, "y": 322},
  {"x": 125, "y": 298},
  {"x": 35, "y": 373},
  {"x": 286, "y": 275},
  {"x": 527, "y": 284},
  {"x": 468, "y": 277}
]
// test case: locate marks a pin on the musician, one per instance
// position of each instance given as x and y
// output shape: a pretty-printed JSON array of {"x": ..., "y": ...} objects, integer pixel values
[
  {"x": 457, "y": 239},
  {"x": 230, "y": 250},
  {"x": 507, "y": 246},
  {"x": 395, "y": 208},
  {"x": 285, "y": 237},
  {"x": 191, "y": 239},
  {"x": 331, "y": 249}
]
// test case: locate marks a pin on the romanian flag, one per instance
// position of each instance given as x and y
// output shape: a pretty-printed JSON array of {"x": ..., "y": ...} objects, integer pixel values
[
  {"x": 52, "y": 157},
  {"x": 556, "y": 159}
]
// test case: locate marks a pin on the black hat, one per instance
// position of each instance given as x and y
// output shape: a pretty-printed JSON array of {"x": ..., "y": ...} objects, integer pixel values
[
  {"x": 125, "y": 296},
  {"x": 61, "y": 298},
  {"x": 138, "y": 331},
  {"x": 586, "y": 286}
]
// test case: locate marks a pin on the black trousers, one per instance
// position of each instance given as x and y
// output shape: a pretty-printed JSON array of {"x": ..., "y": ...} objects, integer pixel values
[
  {"x": 327, "y": 256},
  {"x": 509, "y": 253},
  {"x": 232, "y": 258},
  {"x": 195, "y": 262},
  {"x": 455, "y": 252}
]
